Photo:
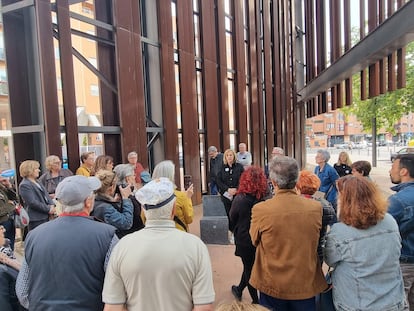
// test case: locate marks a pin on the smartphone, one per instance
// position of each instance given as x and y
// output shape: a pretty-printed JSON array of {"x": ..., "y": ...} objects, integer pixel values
[{"x": 188, "y": 180}]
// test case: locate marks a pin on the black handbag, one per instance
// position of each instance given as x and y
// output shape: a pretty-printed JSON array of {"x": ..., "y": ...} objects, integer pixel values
[{"x": 324, "y": 301}]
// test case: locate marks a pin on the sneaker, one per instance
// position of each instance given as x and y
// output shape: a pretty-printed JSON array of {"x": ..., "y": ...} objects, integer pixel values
[
  {"x": 236, "y": 292},
  {"x": 231, "y": 238}
]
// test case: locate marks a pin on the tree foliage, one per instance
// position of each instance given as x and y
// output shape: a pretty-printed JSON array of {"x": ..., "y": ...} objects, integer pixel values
[{"x": 387, "y": 108}]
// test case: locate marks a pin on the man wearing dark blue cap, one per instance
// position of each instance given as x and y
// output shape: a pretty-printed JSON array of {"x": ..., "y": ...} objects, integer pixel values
[
  {"x": 159, "y": 267},
  {"x": 65, "y": 259}
]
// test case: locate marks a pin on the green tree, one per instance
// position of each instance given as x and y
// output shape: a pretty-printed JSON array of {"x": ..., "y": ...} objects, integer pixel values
[{"x": 387, "y": 108}]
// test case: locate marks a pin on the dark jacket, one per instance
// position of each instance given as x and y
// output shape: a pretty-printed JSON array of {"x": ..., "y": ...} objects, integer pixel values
[
  {"x": 35, "y": 199},
  {"x": 240, "y": 215},
  {"x": 50, "y": 183},
  {"x": 229, "y": 177},
  {"x": 342, "y": 169},
  {"x": 215, "y": 166}
]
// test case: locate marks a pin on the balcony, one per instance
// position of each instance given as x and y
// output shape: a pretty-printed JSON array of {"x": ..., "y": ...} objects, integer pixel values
[{"x": 4, "y": 88}]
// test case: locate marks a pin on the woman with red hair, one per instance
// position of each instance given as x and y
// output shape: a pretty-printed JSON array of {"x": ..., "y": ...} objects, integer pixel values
[{"x": 252, "y": 189}]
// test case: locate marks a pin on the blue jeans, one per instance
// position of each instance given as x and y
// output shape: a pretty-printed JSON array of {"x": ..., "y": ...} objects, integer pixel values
[
  {"x": 213, "y": 188},
  {"x": 276, "y": 304}
]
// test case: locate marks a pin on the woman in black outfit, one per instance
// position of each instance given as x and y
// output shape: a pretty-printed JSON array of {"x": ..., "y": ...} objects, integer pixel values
[
  {"x": 252, "y": 189},
  {"x": 228, "y": 180}
]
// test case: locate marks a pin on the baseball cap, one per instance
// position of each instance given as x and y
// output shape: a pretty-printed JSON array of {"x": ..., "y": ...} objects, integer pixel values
[
  {"x": 145, "y": 177},
  {"x": 156, "y": 193},
  {"x": 76, "y": 189}
]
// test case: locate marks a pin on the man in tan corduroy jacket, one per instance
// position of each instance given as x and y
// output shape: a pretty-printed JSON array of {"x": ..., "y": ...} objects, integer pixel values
[{"x": 285, "y": 231}]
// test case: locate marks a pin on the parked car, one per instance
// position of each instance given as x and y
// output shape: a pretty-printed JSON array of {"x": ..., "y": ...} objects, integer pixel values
[{"x": 402, "y": 151}]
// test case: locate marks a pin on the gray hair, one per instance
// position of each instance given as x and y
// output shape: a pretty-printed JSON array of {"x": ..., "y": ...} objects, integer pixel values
[
  {"x": 163, "y": 212},
  {"x": 122, "y": 171},
  {"x": 71, "y": 209},
  {"x": 164, "y": 169},
  {"x": 132, "y": 154},
  {"x": 212, "y": 149},
  {"x": 325, "y": 154},
  {"x": 284, "y": 171}
]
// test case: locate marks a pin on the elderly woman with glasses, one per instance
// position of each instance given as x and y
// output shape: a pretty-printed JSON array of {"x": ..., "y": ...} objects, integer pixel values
[
  {"x": 9, "y": 267},
  {"x": 327, "y": 175},
  {"x": 54, "y": 174}
]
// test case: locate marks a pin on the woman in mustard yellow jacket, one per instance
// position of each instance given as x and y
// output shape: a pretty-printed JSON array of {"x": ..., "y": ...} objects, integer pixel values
[{"x": 183, "y": 206}]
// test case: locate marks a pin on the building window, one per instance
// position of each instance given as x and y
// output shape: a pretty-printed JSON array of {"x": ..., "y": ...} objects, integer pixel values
[{"x": 94, "y": 89}]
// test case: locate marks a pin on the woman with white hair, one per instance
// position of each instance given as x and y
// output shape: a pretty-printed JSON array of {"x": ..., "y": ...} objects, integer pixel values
[
  {"x": 183, "y": 207},
  {"x": 327, "y": 175},
  {"x": 125, "y": 176}
]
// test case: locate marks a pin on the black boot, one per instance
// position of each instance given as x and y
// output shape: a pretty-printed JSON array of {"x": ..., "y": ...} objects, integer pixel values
[{"x": 236, "y": 292}]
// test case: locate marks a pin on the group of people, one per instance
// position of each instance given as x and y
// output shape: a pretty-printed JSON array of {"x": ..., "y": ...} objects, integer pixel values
[
  {"x": 79, "y": 262},
  {"x": 98, "y": 191},
  {"x": 336, "y": 215}
]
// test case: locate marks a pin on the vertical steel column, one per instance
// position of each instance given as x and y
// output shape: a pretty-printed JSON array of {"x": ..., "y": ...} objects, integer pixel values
[
  {"x": 240, "y": 67},
  {"x": 210, "y": 73},
  {"x": 347, "y": 46},
  {"x": 188, "y": 93},
  {"x": 68, "y": 83},
  {"x": 271, "y": 103},
  {"x": 130, "y": 90},
  {"x": 223, "y": 87},
  {"x": 109, "y": 100},
  {"x": 168, "y": 83},
  {"x": 255, "y": 95}
]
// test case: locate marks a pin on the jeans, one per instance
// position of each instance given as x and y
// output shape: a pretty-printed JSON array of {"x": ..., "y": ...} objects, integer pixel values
[
  {"x": 213, "y": 188},
  {"x": 10, "y": 231},
  {"x": 407, "y": 270},
  {"x": 276, "y": 304}
]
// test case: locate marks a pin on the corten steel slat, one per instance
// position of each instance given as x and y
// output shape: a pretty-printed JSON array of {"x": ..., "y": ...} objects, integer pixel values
[
  {"x": 382, "y": 62},
  {"x": 392, "y": 58},
  {"x": 106, "y": 65},
  {"x": 373, "y": 70},
  {"x": 310, "y": 42},
  {"x": 347, "y": 46},
  {"x": 274, "y": 126},
  {"x": 267, "y": 74},
  {"x": 363, "y": 79},
  {"x": 168, "y": 86},
  {"x": 210, "y": 74},
  {"x": 240, "y": 76},
  {"x": 335, "y": 39},
  {"x": 287, "y": 136},
  {"x": 254, "y": 93},
  {"x": 279, "y": 65},
  {"x": 68, "y": 83},
  {"x": 48, "y": 77},
  {"x": 392, "y": 77},
  {"x": 18, "y": 79},
  {"x": 188, "y": 94},
  {"x": 401, "y": 82},
  {"x": 130, "y": 91},
  {"x": 223, "y": 87},
  {"x": 394, "y": 33},
  {"x": 320, "y": 35}
]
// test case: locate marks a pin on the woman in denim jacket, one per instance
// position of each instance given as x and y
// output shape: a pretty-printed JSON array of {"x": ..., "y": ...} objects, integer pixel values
[
  {"x": 364, "y": 249},
  {"x": 114, "y": 210}
]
